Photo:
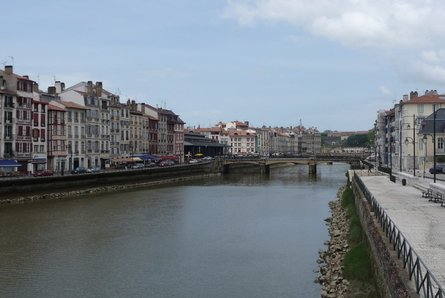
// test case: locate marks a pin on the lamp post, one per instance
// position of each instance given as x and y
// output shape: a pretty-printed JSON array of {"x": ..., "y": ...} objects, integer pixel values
[
  {"x": 434, "y": 141},
  {"x": 400, "y": 145},
  {"x": 69, "y": 147},
  {"x": 425, "y": 141},
  {"x": 413, "y": 140}
]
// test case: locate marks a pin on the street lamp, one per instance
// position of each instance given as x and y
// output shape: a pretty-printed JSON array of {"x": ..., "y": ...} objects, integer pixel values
[
  {"x": 425, "y": 158},
  {"x": 413, "y": 140},
  {"x": 69, "y": 147},
  {"x": 434, "y": 141}
]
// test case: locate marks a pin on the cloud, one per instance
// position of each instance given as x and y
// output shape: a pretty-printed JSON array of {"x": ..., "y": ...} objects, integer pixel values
[
  {"x": 377, "y": 23},
  {"x": 395, "y": 29}
]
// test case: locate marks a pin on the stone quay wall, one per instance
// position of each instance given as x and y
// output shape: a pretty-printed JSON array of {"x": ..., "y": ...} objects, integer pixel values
[
  {"x": 391, "y": 278},
  {"x": 18, "y": 190}
]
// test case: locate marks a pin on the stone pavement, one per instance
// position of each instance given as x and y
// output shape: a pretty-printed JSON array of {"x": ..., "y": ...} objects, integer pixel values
[{"x": 421, "y": 222}]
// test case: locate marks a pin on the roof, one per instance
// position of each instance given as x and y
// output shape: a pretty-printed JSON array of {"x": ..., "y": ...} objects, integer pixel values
[
  {"x": 73, "y": 105},
  {"x": 427, "y": 125},
  {"x": 55, "y": 108},
  {"x": 209, "y": 129},
  {"x": 241, "y": 133},
  {"x": 431, "y": 99}
]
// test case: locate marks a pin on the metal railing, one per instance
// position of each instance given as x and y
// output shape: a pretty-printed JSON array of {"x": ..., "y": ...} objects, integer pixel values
[{"x": 426, "y": 284}]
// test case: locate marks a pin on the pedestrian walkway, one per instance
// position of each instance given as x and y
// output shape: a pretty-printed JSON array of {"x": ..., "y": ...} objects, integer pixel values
[{"x": 422, "y": 222}]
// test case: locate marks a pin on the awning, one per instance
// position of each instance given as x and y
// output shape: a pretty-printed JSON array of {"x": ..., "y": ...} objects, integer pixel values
[
  {"x": 145, "y": 157},
  {"x": 121, "y": 159},
  {"x": 168, "y": 157},
  {"x": 4, "y": 163}
]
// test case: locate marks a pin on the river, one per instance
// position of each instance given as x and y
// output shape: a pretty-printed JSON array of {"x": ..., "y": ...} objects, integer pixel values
[{"x": 240, "y": 235}]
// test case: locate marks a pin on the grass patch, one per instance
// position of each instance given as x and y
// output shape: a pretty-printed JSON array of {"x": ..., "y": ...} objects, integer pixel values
[{"x": 357, "y": 264}]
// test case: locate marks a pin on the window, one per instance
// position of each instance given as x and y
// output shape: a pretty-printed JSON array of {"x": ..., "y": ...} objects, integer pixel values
[
  {"x": 420, "y": 109},
  {"x": 439, "y": 143},
  {"x": 35, "y": 133}
]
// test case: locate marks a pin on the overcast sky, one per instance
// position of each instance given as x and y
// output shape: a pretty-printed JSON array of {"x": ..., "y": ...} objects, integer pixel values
[{"x": 330, "y": 63}]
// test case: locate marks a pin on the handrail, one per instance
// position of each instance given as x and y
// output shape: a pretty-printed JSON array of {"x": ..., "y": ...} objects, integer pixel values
[{"x": 426, "y": 284}]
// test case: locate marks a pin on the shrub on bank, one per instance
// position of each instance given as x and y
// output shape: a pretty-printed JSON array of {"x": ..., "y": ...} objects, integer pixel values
[{"x": 357, "y": 263}]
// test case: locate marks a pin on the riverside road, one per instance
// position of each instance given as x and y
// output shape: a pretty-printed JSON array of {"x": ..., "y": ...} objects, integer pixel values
[{"x": 420, "y": 221}]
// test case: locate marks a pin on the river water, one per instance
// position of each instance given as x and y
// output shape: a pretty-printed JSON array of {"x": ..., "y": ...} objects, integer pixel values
[{"x": 234, "y": 236}]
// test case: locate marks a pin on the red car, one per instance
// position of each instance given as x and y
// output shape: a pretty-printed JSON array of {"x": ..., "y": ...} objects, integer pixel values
[{"x": 43, "y": 173}]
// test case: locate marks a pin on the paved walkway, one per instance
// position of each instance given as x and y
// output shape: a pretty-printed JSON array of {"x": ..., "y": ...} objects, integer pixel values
[{"x": 421, "y": 222}]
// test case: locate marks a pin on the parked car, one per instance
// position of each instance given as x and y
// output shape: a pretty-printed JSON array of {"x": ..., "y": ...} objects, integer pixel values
[
  {"x": 150, "y": 164},
  {"x": 43, "y": 173},
  {"x": 137, "y": 166},
  {"x": 440, "y": 168},
  {"x": 94, "y": 170},
  {"x": 207, "y": 158},
  {"x": 166, "y": 163},
  {"x": 193, "y": 161},
  {"x": 79, "y": 170}
]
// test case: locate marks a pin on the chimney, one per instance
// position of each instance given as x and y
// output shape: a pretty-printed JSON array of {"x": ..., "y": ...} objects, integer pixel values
[
  {"x": 26, "y": 77},
  {"x": 89, "y": 87},
  {"x": 59, "y": 87},
  {"x": 52, "y": 90},
  {"x": 8, "y": 69},
  {"x": 98, "y": 89}
]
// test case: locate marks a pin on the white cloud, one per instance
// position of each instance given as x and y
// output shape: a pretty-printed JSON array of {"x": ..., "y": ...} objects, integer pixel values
[
  {"x": 379, "y": 23},
  {"x": 410, "y": 29}
]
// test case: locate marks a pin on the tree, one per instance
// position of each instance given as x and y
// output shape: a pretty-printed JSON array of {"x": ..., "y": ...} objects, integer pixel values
[{"x": 360, "y": 140}]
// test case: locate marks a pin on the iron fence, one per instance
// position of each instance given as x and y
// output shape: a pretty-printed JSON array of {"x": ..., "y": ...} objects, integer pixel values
[{"x": 426, "y": 284}]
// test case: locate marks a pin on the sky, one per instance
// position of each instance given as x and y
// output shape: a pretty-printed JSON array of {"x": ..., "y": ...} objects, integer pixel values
[{"x": 331, "y": 64}]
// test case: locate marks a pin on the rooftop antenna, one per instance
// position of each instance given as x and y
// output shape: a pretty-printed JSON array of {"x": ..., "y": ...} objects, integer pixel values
[{"x": 12, "y": 59}]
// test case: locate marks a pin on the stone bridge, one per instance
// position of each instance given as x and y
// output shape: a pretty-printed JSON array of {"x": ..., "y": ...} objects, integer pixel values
[{"x": 312, "y": 161}]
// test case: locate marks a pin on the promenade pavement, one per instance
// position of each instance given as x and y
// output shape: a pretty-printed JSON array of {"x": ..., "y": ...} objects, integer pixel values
[{"x": 422, "y": 222}]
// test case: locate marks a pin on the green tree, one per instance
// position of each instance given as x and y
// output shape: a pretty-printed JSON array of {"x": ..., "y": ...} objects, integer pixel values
[{"x": 360, "y": 140}]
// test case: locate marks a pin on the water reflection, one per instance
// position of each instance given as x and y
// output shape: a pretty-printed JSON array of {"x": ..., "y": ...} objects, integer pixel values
[{"x": 233, "y": 236}]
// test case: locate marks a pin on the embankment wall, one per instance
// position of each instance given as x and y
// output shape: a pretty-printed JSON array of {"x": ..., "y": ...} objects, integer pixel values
[
  {"x": 390, "y": 277},
  {"x": 25, "y": 187}
]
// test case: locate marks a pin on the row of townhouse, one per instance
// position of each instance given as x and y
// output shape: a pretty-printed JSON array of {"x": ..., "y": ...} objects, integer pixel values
[
  {"x": 411, "y": 134},
  {"x": 80, "y": 126},
  {"x": 241, "y": 139}
]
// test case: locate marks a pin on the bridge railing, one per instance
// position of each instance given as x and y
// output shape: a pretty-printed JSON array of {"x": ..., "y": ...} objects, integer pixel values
[{"x": 425, "y": 282}]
